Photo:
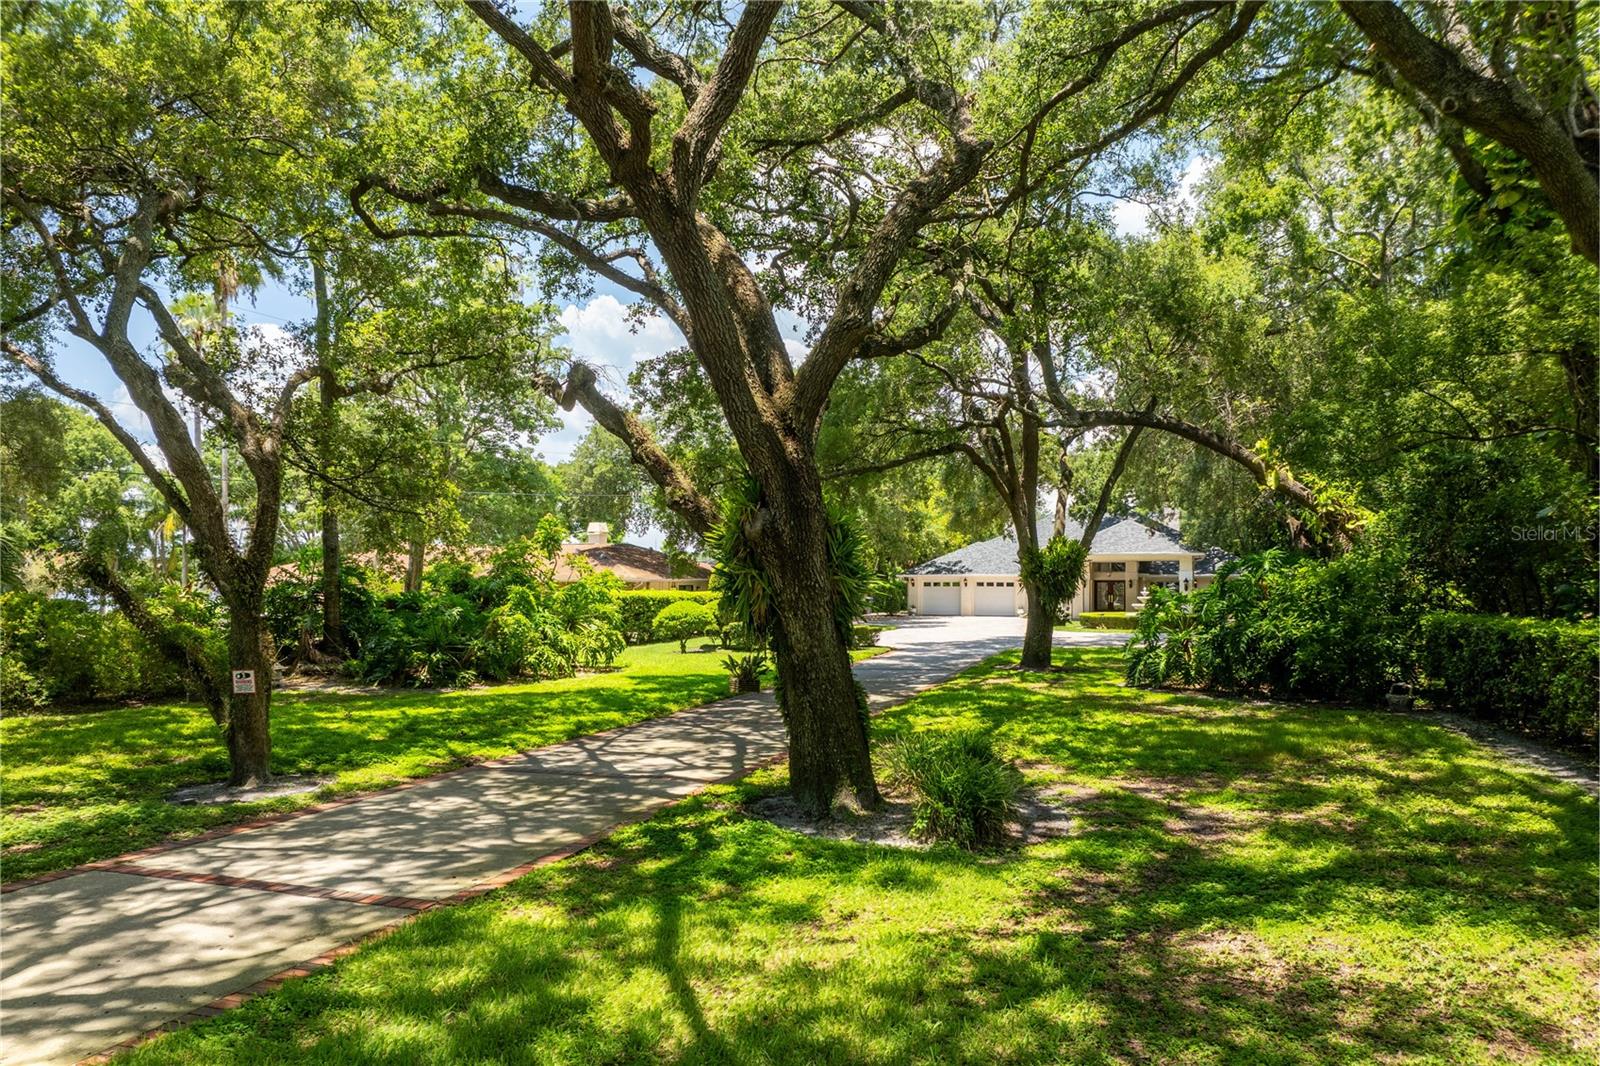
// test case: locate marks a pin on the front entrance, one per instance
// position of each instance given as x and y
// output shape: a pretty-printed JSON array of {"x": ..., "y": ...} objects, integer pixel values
[{"x": 1111, "y": 595}]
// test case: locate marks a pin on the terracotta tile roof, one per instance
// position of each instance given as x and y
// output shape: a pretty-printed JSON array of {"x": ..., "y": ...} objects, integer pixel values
[{"x": 631, "y": 563}]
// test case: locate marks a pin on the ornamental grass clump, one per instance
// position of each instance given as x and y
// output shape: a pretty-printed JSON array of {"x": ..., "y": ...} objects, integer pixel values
[{"x": 963, "y": 793}]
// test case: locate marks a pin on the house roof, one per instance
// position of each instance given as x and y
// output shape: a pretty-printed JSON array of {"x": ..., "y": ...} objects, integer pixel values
[
  {"x": 630, "y": 562},
  {"x": 1116, "y": 536}
]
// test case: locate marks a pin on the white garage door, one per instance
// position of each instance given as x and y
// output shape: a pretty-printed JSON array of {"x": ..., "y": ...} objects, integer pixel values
[
  {"x": 996, "y": 597},
  {"x": 941, "y": 597}
]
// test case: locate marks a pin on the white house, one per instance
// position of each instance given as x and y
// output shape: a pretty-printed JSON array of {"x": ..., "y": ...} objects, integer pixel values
[{"x": 1126, "y": 557}]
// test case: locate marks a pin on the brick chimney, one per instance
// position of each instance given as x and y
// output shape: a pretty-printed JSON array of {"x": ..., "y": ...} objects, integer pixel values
[{"x": 598, "y": 534}]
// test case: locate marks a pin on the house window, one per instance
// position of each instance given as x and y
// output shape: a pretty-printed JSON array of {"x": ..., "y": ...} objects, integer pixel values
[{"x": 1110, "y": 568}]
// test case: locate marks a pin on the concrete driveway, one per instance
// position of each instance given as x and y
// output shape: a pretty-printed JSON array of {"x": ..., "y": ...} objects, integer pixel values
[{"x": 156, "y": 939}]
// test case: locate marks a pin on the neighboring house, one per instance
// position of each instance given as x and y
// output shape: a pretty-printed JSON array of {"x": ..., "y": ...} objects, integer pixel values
[
  {"x": 638, "y": 567},
  {"x": 1127, "y": 556}
]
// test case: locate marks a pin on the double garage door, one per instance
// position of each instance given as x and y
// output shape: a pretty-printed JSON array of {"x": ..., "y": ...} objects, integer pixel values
[{"x": 989, "y": 597}]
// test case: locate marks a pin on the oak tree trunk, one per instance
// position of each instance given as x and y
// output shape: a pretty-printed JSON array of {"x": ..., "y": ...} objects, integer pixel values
[
  {"x": 826, "y": 723},
  {"x": 248, "y": 727},
  {"x": 332, "y": 605},
  {"x": 1038, "y": 638}
]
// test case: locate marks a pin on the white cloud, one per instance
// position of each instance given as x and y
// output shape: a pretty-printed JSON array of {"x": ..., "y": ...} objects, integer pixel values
[
  {"x": 267, "y": 335},
  {"x": 1197, "y": 171},
  {"x": 1130, "y": 218},
  {"x": 602, "y": 332}
]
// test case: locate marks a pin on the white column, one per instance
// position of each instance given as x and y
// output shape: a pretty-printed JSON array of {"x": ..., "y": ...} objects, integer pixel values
[{"x": 1185, "y": 573}]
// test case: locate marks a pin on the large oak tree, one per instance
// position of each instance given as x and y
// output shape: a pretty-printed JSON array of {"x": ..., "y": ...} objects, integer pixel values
[{"x": 627, "y": 140}]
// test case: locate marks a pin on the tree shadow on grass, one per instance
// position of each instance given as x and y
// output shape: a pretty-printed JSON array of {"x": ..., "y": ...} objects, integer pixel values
[
  {"x": 91, "y": 786},
  {"x": 1247, "y": 884}
]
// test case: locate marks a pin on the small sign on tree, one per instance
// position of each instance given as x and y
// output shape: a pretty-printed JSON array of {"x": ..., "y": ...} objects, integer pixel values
[{"x": 244, "y": 681}]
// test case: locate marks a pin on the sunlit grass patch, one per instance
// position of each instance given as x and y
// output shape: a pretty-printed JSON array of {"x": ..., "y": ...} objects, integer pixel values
[
  {"x": 84, "y": 786},
  {"x": 1247, "y": 883}
]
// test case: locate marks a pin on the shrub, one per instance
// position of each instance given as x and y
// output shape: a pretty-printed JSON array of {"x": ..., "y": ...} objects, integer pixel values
[
  {"x": 963, "y": 792},
  {"x": 863, "y": 636},
  {"x": 682, "y": 620},
  {"x": 1344, "y": 629},
  {"x": 1524, "y": 673},
  {"x": 1109, "y": 619},
  {"x": 544, "y": 633},
  {"x": 637, "y": 609},
  {"x": 736, "y": 636},
  {"x": 886, "y": 594},
  {"x": 292, "y": 610},
  {"x": 746, "y": 669},
  {"x": 427, "y": 640},
  {"x": 65, "y": 651},
  {"x": 513, "y": 622},
  {"x": 588, "y": 622},
  {"x": 514, "y": 644}
]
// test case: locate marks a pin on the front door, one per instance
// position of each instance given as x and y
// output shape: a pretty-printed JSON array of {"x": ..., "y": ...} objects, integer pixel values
[{"x": 1111, "y": 595}]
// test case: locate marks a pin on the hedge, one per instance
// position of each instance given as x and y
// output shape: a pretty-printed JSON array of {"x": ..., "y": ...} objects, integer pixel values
[
  {"x": 640, "y": 606},
  {"x": 1523, "y": 673},
  {"x": 63, "y": 651},
  {"x": 1109, "y": 620},
  {"x": 866, "y": 636}
]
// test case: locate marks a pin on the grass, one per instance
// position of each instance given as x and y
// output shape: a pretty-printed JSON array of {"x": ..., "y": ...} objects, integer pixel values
[
  {"x": 1246, "y": 883},
  {"x": 85, "y": 786}
]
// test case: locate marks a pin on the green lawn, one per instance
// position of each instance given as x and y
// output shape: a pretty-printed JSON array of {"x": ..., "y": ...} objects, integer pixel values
[
  {"x": 1245, "y": 884},
  {"x": 86, "y": 786}
]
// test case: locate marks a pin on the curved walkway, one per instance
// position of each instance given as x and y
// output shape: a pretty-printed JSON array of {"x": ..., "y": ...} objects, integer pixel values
[{"x": 104, "y": 955}]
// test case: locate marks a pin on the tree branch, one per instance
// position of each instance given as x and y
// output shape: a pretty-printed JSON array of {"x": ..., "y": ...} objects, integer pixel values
[
  {"x": 694, "y": 144},
  {"x": 92, "y": 403},
  {"x": 580, "y": 389},
  {"x": 1092, "y": 526},
  {"x": 1499, "y": 109},
  {"x": 952, "y": 448}
]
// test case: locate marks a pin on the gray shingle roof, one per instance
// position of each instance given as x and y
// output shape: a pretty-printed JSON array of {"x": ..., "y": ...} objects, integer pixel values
[
  {"x": 1211, "y": 560},
  {"x": 1117, "y": 536}
]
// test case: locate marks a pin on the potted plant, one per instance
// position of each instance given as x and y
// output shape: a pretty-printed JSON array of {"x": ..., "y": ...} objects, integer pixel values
[{"x": 744, "y": 672}]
